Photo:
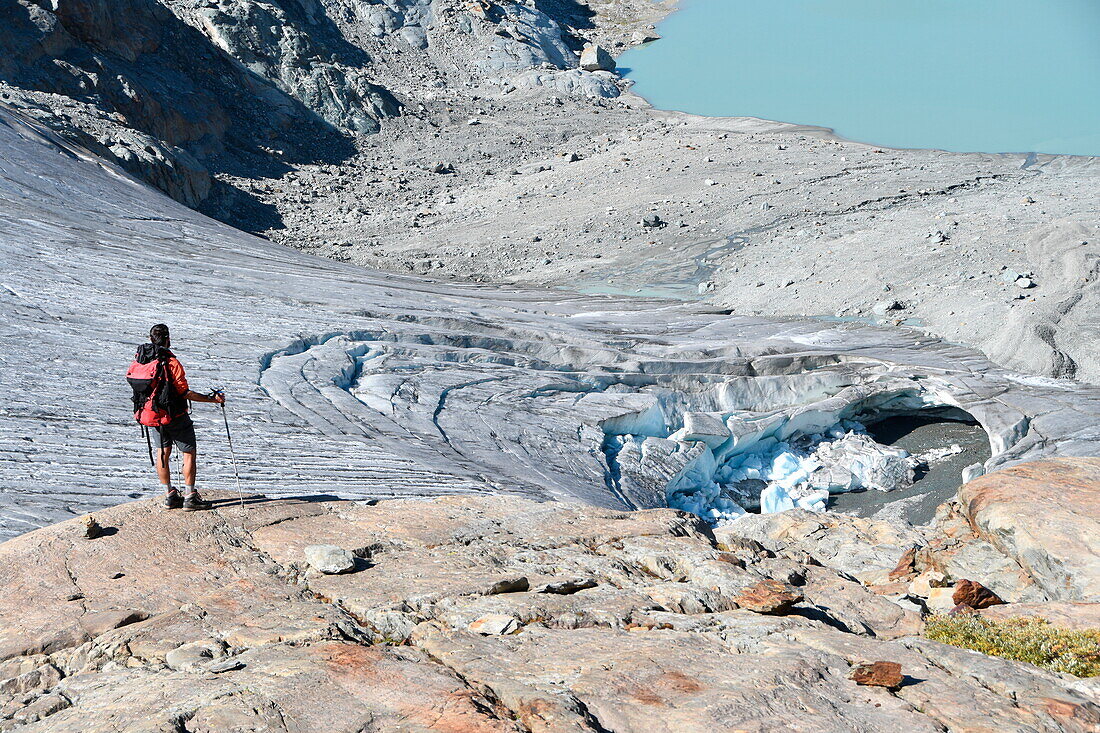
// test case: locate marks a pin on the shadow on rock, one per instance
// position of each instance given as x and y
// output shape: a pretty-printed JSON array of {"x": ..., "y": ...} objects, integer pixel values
[
  {"x": 240, "y": 209},
  {"x": 172, "y": 108}
]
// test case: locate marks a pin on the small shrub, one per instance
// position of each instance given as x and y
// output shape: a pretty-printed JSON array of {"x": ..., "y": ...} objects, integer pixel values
[{"x": 1032, "y": 640}]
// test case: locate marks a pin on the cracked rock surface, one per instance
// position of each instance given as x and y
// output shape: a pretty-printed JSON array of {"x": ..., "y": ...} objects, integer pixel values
[{"x": 624, "y": 621}]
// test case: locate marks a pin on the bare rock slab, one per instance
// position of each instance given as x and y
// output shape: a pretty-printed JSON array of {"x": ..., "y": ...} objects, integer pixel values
[
  {"x": 1075, "y": 616},
  {"x": 642, "y": 637},
  {"x": 494, "y": 624}
]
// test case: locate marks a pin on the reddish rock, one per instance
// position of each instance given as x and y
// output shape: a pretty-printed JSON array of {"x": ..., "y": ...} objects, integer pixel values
[
  {"x": 906, "y": 566},
  {"x": 1045, "y": 515},
  {"x": 770, "y": 597},
  {"x": 877, "y": 674},
  {"x": 974, "y": 595}
]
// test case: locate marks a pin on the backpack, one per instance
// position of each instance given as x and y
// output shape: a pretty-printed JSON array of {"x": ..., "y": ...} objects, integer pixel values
[{"x": 148, "y": 377}]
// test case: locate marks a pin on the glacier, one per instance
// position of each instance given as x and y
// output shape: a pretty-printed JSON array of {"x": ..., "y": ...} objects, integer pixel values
[{"x": 348, "y": 382}]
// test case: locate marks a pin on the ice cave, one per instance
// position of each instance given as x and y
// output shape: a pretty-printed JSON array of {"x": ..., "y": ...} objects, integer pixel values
[{"x": 749, "y": 455}]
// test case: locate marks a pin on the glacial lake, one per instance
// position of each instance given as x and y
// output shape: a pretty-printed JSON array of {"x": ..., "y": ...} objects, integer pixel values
[{"x": 964, "y": 75}]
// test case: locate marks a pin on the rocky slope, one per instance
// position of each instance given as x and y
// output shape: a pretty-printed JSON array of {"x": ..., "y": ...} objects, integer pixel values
[
  {"x": 477, "y": 613},
  {"x": 491, "y": 608},
  {"x": 508, "y": 163}
]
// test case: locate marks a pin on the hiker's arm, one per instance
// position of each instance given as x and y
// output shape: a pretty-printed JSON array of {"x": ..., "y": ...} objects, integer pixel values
[{"x": 216, "y": 398}]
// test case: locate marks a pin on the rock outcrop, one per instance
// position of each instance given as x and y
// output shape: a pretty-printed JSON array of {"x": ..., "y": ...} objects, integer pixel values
[
  {"x": 1046, "y": 517},
  {"x": 473, "y": 614},
  {"x": 170, "y": 94},
  {"x": 179, "y": 91}
]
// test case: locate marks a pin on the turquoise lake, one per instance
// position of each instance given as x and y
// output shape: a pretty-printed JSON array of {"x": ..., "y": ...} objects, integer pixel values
[{"x": 964, "y": 75}]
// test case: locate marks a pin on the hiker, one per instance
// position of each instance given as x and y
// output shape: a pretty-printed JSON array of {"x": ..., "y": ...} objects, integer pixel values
[{"x": 161, "y": 396}]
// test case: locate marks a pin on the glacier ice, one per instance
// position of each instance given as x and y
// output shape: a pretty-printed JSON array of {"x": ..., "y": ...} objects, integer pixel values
[{"x": 735, "y": 470}]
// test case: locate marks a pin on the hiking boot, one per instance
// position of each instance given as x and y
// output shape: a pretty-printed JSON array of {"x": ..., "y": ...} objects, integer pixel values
[
  {"x": 173, "y": 500},
  {"x": 193, "y": 502}
]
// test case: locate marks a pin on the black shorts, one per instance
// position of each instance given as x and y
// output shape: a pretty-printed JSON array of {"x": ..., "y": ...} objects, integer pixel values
[{"x": 181, "y": 432}]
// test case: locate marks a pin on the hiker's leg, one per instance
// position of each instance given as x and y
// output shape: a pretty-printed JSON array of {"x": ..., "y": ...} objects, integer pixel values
[
  {"x": 189, "y": 468},
  {"x": 163, "y": 470},
  {"x": 191, "y": 499}
]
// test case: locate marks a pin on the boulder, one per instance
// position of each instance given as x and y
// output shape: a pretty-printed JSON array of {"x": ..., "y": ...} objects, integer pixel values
[
  {"x": 769, "y": 597},
  {"x": 599, "y": 84},
  {"x": 906, "y": 565},
  {"x": 974, "y": 595},
  {"x": 883, "y": 307},
  {"x": 508, "y": 585},
  {"x": 644, "y": 36},
  {"x": 568, "y": 587},
  {"x": 596, "y": 58},
  {"x": 329, "y": 559},
  {"x": 225, "y": 665},
  {"x": 194, "y": 655},
  {"x": 91, "y": 528},
  {"x": 941, "y": 600},
  {"x": 494, "y": 624},
  {"x": 1045, "y": 515},
  {"x": 923, "y": 584},
  {"x": 877, "y": 674}
]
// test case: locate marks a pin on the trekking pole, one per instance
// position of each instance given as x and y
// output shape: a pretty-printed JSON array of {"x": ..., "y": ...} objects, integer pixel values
[
  {"x": 179, "y": 467},
  {"x": 149, "y": 445},
  {"x": 232, "y": 452}
]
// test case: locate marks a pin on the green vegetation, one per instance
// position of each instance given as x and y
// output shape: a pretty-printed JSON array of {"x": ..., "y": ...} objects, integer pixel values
[{"x": 1032, "y": 640}]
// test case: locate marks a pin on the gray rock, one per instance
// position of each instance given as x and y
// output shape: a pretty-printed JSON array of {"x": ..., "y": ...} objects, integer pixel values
[
  {"x": 329, "y": 559},
  {"x": 195, "y": 655},
  {"x": 226, "y": 665},
  {"x": 90, "y": 528},
  {"x": 883, "y": 307},
  {"x": 595, "y": 58},
  {"x": 574, "y": 82},
  {"x": 568, "y": 587},
  {"x": 494, "y": 625},
  {"x": 508, "y": 585}
]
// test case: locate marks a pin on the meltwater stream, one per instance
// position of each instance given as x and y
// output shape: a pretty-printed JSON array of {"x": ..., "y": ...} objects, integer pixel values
[{"x": 994, "y": 76}]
